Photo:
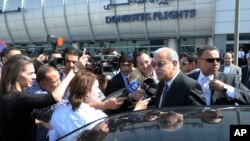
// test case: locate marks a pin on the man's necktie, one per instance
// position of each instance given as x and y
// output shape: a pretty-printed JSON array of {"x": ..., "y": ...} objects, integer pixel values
[
  {"x": 206, "y": 89},
  {"x": 126, "y": 81},
  {"x": 163, "y": 95}
]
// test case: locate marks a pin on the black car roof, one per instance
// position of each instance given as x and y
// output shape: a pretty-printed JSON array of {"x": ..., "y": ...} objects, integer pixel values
[{"x": 139, "y": 126}]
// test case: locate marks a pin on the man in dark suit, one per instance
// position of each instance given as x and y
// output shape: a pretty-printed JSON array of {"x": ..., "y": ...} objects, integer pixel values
[
  {"x": 246, "y": 73},
  {"x": 120, "y": 80},
  {"x": 219, "y": 88},
  {"x": 174, "y": 88}
]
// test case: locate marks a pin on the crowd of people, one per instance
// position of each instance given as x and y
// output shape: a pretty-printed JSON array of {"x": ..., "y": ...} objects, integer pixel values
[{"x": 40, "y": 101}]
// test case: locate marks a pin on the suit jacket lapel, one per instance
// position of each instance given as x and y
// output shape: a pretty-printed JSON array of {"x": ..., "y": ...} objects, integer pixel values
[
  {"x": 172, "y": 89},
  {"x": 159, "y": 92},
  {"x": 196, "y": 75},
  {"x": 122, "y": 81},
  {"x": 217, "y": 96},
  {"x": 170, "y": 93},
  {"x": 233, "y": 69},
  {"x": 221, "y": 68}
]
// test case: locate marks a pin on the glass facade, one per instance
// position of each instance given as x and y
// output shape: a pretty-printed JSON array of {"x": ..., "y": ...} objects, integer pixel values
[
  {"x": 244, "y": 42},
  {"x": 138, "y": 26},
  {"x": 125, "y": 46}
]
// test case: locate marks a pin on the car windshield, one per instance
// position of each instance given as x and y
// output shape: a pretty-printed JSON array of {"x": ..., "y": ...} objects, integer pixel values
[{"x": 178, "y": 124}]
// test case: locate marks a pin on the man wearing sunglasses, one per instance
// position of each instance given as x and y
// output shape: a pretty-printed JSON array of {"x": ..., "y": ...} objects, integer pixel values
[
  {"x": 219, "y": 88},
  {"x": 174, "y": 88},
  {"x": 188, "y": 62}
]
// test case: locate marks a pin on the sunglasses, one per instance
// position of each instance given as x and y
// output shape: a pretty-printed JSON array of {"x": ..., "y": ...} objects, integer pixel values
[
  {"x": 211, "y": 60},
  {"x": 184, "y": 63},
  {"x": 126, "y": 65}
]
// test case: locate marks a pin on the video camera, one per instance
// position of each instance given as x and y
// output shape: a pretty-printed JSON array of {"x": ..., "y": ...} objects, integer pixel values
[
  {"x": 104, "y": 64},
  {"x": 58, "y": 63},
  {"x": 55, "y": 62}
]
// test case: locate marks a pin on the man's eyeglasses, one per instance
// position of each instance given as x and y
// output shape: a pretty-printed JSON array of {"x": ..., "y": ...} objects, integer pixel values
[
  {"x": 159, "y": 64},
  {"x": 211, "y": 60}
]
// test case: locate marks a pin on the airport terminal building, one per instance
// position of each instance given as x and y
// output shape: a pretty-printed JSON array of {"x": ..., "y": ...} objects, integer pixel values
[{"x": 184, "y": 25}]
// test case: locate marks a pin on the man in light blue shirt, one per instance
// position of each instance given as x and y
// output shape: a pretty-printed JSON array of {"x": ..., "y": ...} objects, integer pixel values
[{"x": 224, "y": 88}]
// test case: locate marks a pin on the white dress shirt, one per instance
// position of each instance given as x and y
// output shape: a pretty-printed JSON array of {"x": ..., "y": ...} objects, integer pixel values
[
  {"x": 241, "y": 54},
  {"x": 227, "y": 69},
  {"x": 204, "y": 82}
]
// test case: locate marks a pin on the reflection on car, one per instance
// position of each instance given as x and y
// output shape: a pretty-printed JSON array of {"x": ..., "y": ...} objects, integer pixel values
[{"x": 177, "y": 123}]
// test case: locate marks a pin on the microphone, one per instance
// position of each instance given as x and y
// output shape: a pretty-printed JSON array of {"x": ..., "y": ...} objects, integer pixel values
[
  {"x": 150, "y": 88},
  {"x": 146, "y": 82},
  {"x": 127, "y": 104},
  {"x": 132, "y": 87}
]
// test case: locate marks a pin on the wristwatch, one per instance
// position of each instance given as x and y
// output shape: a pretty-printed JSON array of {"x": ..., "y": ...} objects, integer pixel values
[
  {"x": 75, "y": 69},
  {"x": 225, "y": 87}
]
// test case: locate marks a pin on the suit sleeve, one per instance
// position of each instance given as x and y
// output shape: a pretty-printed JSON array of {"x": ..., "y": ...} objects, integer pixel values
[
  {"x": 196, "y": 96},
  {"x": 109, "y": 88},
  {"x": 34, "y": 101},
  {"x": 240, "y": 73},
  {"x": 242, "y": 92}
]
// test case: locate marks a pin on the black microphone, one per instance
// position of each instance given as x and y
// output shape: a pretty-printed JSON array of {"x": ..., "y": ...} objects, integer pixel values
[
  {"x": 146, "y": 83},
  {"x": 150, "y": 88}
]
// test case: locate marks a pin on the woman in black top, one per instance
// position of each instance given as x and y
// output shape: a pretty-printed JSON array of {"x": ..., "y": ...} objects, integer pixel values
[
  {"x": 1, "y": 114},
  {"x": 17, "y": 74}
]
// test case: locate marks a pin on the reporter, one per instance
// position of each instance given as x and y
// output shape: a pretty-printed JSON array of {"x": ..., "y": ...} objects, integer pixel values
[
  {"x": 84, "y": 89},
  {"x": 18, "y": 73}
]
